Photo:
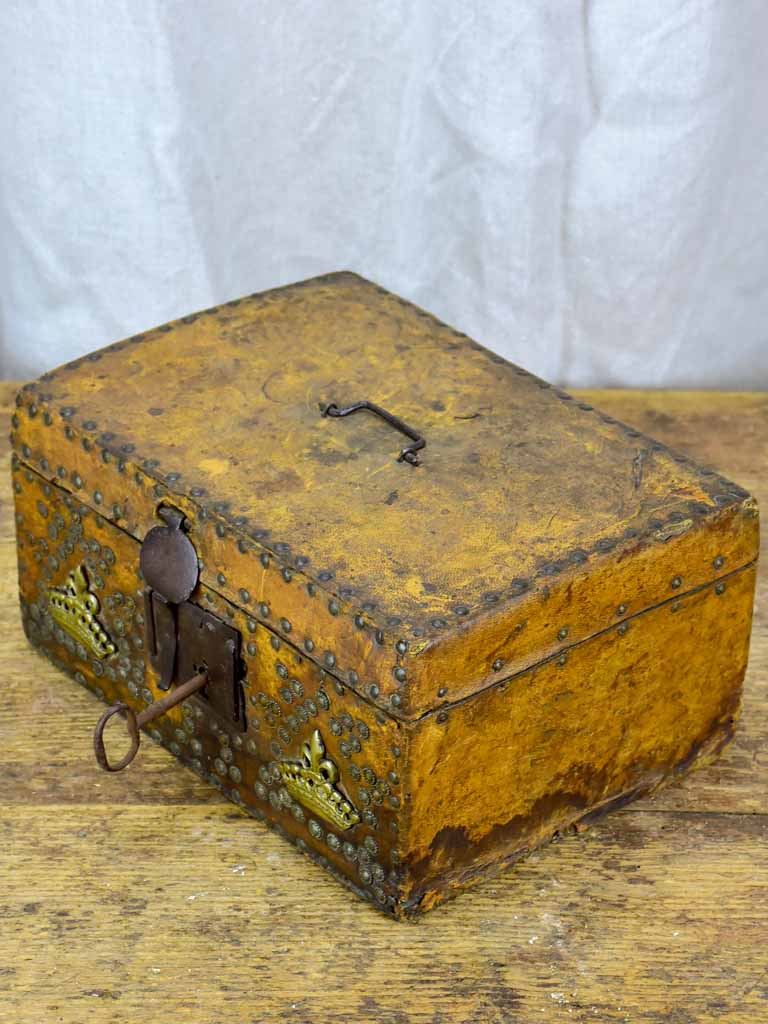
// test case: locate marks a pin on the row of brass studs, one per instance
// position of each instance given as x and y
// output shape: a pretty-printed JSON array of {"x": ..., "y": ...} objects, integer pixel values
[
  {"x": 517, "y": 587},
  {"x": 299, "y": 709},
  {"x": 357, "y": 732},
  {"x": 717, "y": 589},
  {"x": 117, "y": 602},
  {"x": 401, "y": 645},
  {"x": 562, "y": 633},
  {"x": 398, "y": 672},
  {"x": 329, "y": 657}
]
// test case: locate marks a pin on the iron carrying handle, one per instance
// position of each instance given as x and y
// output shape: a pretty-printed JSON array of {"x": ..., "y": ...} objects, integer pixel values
[{"x": 408, "y": 454}]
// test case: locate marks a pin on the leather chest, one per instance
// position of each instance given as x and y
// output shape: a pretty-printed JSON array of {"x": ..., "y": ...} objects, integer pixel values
[{"x": 401, "y": 600}]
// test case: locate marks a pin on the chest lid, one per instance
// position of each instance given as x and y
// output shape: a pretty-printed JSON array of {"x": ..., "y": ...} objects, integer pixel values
[{"x": 529, "y": 522}]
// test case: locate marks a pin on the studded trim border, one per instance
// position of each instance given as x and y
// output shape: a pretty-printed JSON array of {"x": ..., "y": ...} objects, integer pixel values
[
  {"x": 287, "y": 697},
  {"x": 393, "y": 647}
]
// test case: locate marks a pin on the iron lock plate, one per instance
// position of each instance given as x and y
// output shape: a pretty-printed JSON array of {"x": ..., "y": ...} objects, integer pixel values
[
  {"x": 207, "y": 644},
  {"x": 183, "y": 640}
]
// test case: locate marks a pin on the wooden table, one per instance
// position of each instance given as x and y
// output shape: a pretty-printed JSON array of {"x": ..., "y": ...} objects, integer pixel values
[{"x": 147, "y": 898}]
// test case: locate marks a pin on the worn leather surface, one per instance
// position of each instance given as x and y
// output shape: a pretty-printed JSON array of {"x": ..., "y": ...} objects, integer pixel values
[{"x": 530, "y": 514}]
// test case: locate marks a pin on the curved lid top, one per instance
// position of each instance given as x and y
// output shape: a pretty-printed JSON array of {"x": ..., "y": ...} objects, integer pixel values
[{"x": 520, "y": 488}]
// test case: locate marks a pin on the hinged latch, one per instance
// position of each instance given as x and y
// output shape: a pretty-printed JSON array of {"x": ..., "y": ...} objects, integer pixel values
[
  {"x": 170, "y": 569},
  {"x": 183, "y": 639},
  {"x": 187, "y": 646}
]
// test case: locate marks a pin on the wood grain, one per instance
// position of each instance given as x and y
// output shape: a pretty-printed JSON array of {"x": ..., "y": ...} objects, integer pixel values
[
  {"x": 192, "y": 914},
  {"x": 146, "y": 896}
]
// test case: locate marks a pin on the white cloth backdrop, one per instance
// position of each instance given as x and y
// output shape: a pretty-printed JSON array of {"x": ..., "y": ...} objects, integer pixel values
[{"x": 581, "y": 185}]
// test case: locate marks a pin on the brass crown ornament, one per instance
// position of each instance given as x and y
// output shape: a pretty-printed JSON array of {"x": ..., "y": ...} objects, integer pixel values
[
  {"x": 312, "y": 782},
  {"x": 74, "y": 608}
]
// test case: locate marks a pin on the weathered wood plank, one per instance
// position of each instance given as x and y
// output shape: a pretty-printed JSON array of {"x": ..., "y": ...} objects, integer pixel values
[{"x": 197, "y": 914}]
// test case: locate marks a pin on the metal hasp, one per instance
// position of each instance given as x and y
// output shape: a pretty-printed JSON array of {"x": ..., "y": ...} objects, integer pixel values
[
  {"x": 408, "y": 454},
  {"x": 170, "y": 569},
  {"x": 183, "y": 641}
]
